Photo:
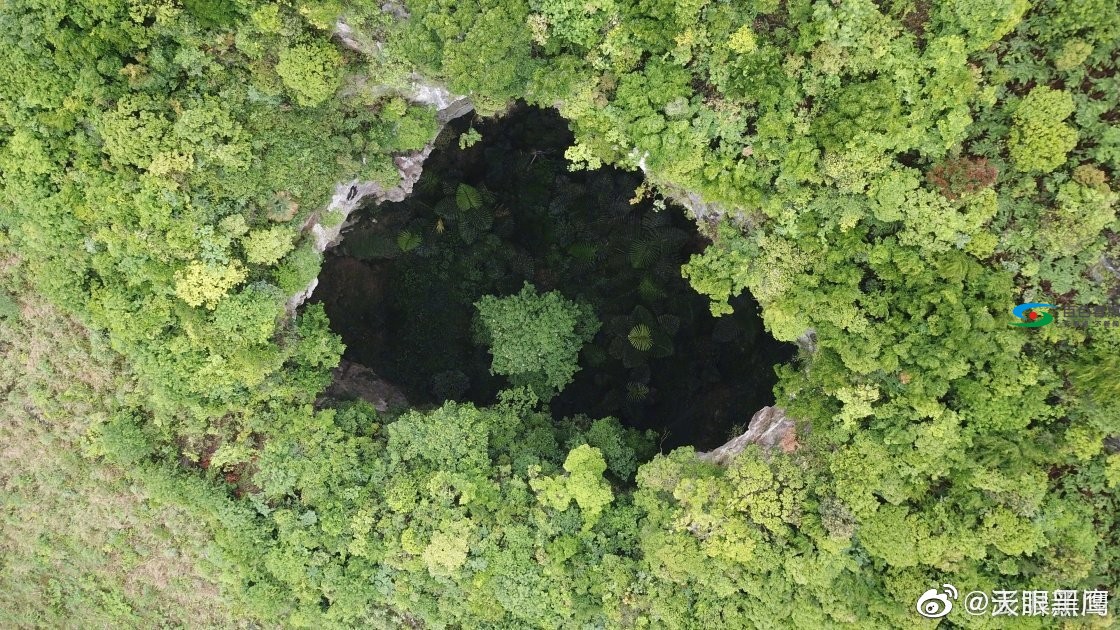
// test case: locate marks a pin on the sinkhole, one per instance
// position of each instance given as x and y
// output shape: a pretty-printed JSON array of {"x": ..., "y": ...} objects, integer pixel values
[{"x": 485, "y": 218}]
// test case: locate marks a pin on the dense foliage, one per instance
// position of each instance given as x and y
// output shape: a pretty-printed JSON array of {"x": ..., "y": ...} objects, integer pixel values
[
  {"x": 79, "y": 539},
  {"x": 534, "y": 338},
  {"x": 158, "y": 161},
  {"x": 484, "y": 221}
]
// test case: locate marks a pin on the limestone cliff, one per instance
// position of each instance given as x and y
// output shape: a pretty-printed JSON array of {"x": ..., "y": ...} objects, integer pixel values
[
  {"x": 770, "y": 428},
  {"x": 349, "y": 195},
  {"x": 353, "y": 380}
]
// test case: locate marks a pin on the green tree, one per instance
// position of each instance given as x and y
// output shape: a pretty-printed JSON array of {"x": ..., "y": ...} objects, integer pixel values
[
  {"x": 1039, "y": 140},
  {"x": 583, "y": 484},
  {"x": 266, "y": 247},
  {"x": 202, "y": 284},
  {"x": 311, "y": 72},
  {"x": 535, "y": 338}
]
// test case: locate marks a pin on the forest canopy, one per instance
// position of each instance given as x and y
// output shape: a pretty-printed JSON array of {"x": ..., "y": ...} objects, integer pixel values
[{"x": 887, "y": 179}]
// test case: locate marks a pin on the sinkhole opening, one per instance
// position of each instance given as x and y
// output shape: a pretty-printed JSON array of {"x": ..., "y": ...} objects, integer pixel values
[{"x": 489, "y": 215}]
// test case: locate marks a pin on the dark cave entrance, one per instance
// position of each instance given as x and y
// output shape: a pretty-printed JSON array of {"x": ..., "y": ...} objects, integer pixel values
[{"x": 486, "y": 218}]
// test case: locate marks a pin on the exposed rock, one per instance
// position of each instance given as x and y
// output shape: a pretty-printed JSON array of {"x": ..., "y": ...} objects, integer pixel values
[
  {"x": 348, "y": 196},
  {"x": 770, "y": 428},
  {"x": 808, "y": 341},
  {"x": 1108, "y": 264},
  {"x": 448, "y": 105},
  {"x": 353, "y": 380},
  {"x": 416, "y": 88},
  {"x": 301, "y": 296},
  {"x": 396, "y": 9},
  {"x": 357, "y": 41},
  {"x": 346, "y": 199},
  {"x": 701, "y": 211}
]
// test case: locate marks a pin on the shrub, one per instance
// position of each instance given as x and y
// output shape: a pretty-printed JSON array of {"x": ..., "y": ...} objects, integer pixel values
[
  {"x": 962, "y": 176},
  {"x": 535, "y": 339},
  {"x": 1073, "y": 54},
  {"x": 265, "y": 247},
  {"x": 298, "y": 269},
  {"x": 310, "y": 72},
  {"x": 1039, "y": 140},
  {"x": 986, "y": 22}
]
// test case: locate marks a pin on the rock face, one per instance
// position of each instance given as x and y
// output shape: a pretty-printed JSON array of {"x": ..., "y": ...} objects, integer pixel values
[
  {"x": 353, "y": 380},
  {"x": 808, "y": 341},
  {"x": 416, "y": 88},
  {"x": 348, "y": 196},
  {"x": 701, "y": 211},
  {"x": 770, "y": 428}
]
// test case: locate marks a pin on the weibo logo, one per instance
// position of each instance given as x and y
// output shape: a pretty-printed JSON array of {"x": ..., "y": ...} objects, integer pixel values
[{"x": 1029, "y": 318}]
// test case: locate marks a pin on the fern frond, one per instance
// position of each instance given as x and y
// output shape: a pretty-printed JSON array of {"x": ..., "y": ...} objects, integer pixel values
[
  {"x": 408, "y": 241},
  {"x": 563, "y": 231},
  {"x": 584, "y": 252},
  {"x": 654, "y": 220},
  {"x": 427, "y": 184},
  {"x": 636, "y": 392},
  {"x": 670, "y": 323},
  {"x": 640, "y": 337},
  {"x": 474, "y": 222},
  {"x": 642, "y": 252},
  {"x": 649, "y": 290},
  {"x": 468, "y": 197},
  {"x": 488, "y": 195},
  {"x": 446, "y": 209}
]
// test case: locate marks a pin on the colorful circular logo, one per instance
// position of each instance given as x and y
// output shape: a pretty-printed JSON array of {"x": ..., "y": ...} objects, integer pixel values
[{"x": 1030, "y": 318}]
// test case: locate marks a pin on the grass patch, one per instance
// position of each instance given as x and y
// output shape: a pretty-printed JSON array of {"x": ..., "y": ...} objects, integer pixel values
[{"x": 81, "y": 545}]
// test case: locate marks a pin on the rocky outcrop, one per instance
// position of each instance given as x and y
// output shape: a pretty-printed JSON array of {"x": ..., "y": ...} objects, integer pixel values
[
  {"x": 353, "y": 380},
  {"x": 349, "y": 196},
  {"x": 770, "y": 428},
  {"x": 701, "y": 211},
  {"x": 1105, "y": 263},
  {"x": 448, "y": 106},
  {"x": 415, "y": 87},
  {"x": 808, "y": 341}
]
